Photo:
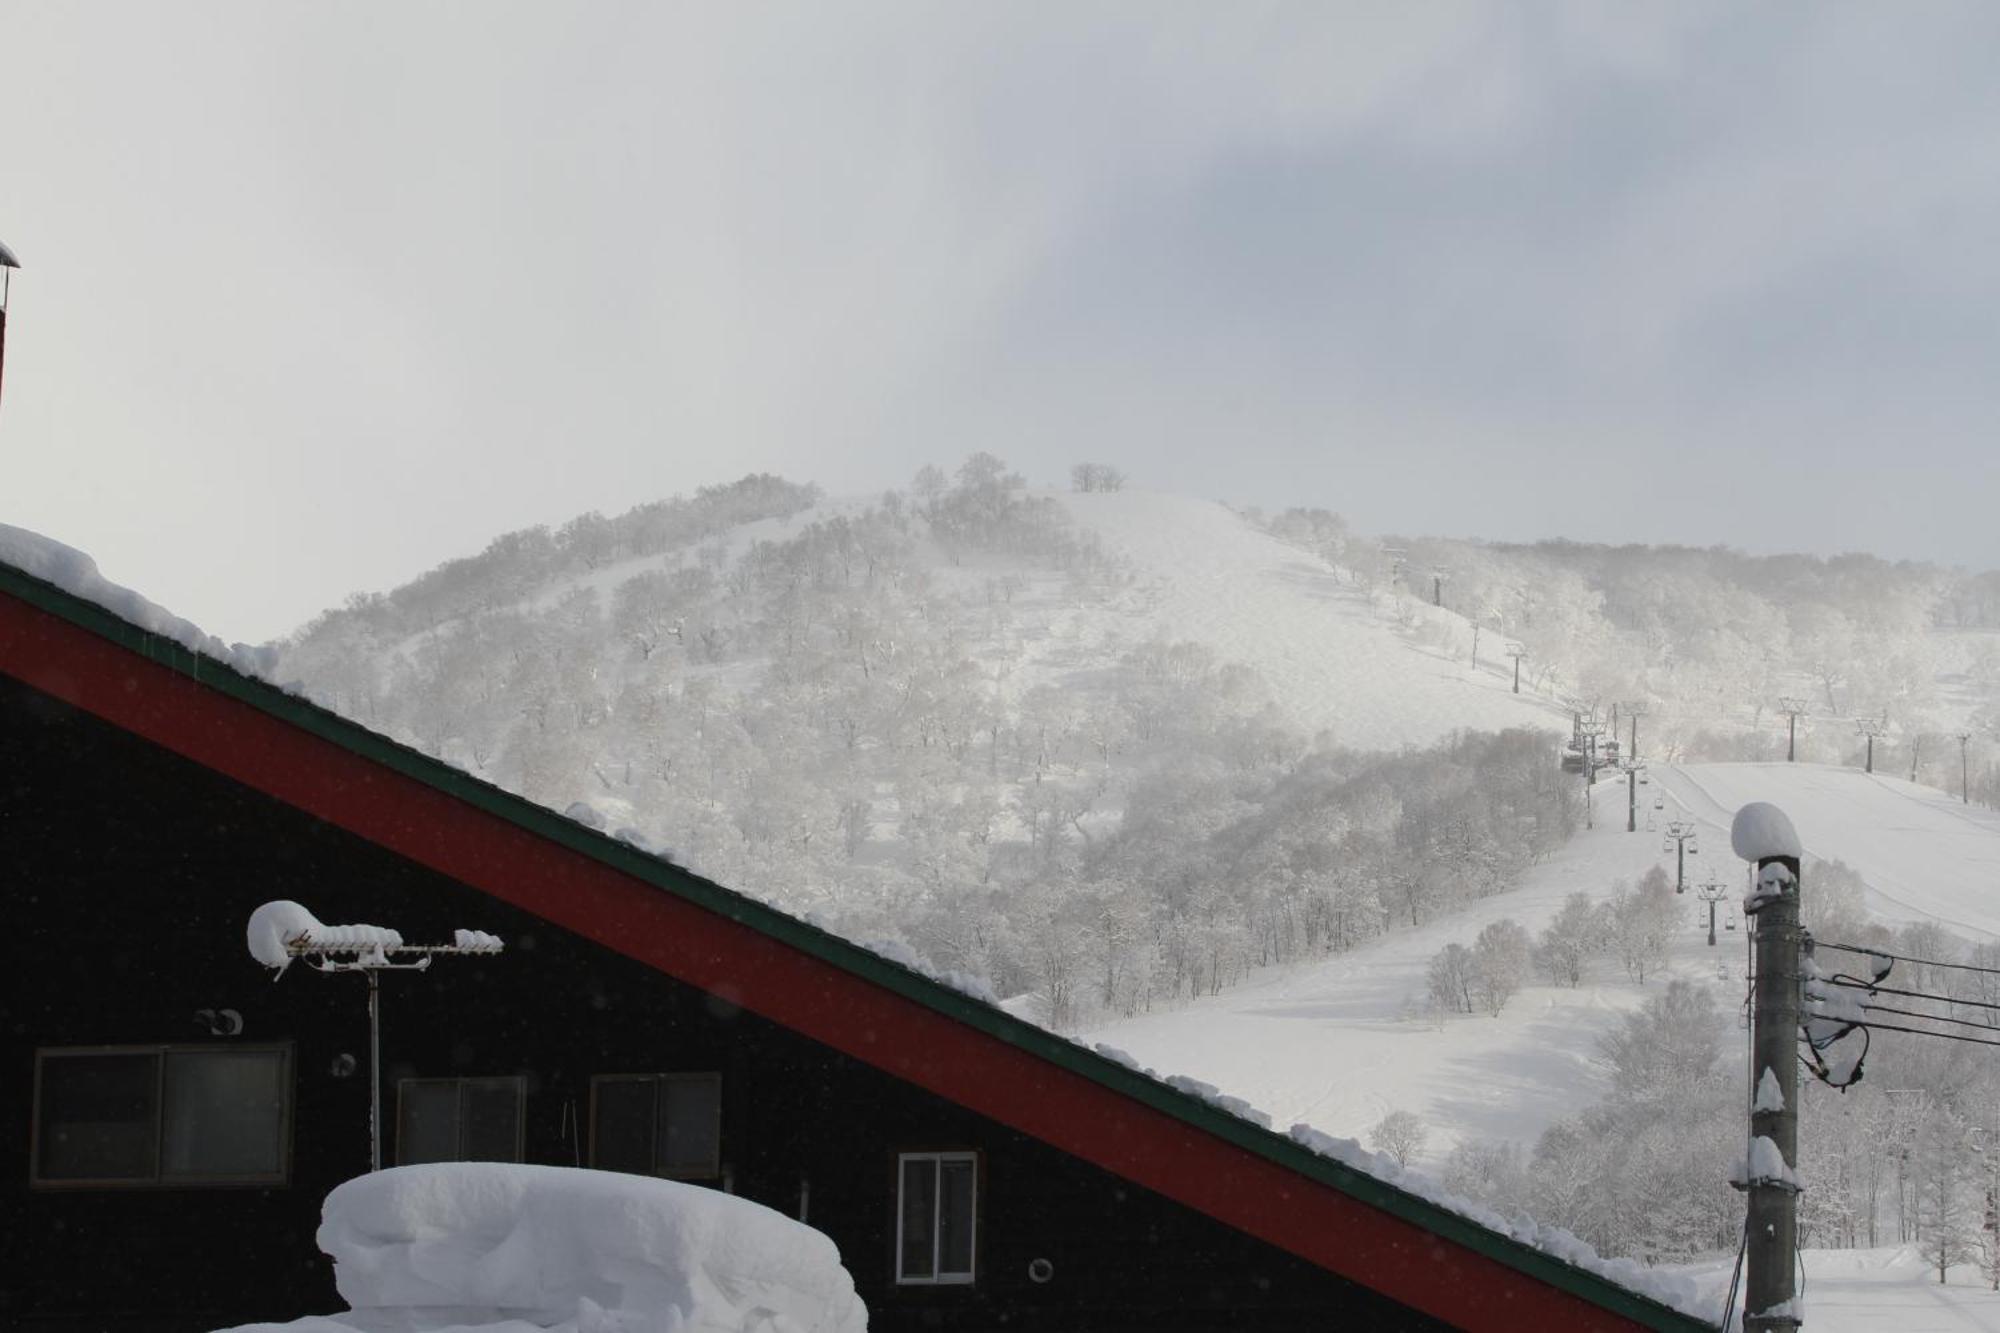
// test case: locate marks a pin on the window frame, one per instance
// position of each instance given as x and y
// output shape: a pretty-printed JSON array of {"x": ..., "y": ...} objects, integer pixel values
[
  {"x": 518, "y": 1083},
  {"x": 159, "y": 1180},
  {"x": 658, "y": 1081},
  {"x": 939, "y": 1156}
]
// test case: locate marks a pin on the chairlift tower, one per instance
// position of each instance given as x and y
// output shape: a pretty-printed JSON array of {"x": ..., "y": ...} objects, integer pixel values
[
  {"x": 1793, "y": 707},
  {"x": 1871, "y": 727},
  {"x": 1681, "y": 839},
  {"x": 1964, "y": 768},
  {"x": 1634, "y": 710},
  {"x": 1711, "y": 891},
  {"x": 1517, "y": 652}
]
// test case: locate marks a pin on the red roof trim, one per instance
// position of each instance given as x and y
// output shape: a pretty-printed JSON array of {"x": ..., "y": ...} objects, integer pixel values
[{"x": 786, "y": 985}]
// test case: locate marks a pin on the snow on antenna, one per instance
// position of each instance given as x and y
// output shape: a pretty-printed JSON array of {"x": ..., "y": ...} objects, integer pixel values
[{"x": 280, "y": 932}]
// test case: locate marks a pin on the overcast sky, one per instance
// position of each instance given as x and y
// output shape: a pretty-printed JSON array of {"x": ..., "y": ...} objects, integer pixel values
[{"x": 316, "y": 296}]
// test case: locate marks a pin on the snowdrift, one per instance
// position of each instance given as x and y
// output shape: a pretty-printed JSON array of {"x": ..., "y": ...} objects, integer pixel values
[{"x": 501, "y": 1248}]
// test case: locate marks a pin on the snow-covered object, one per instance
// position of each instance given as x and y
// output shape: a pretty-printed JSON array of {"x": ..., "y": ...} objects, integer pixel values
[
  {"x": 1793, "y": 1309},
  {"x": 1761, "y": 829},
  {"x": 419, "y": 1247},
  {"x": 585, "y": 814},
  {"x": 275, "y": 925},
  {"x": 1841, "y": 1004},
  {"x": 1673, "y": 1290},
  {"x": 1215, "y": 1097},
  {"x": 76, "y": 573},
  {"x": 1770, "y": 1097},
  {"x": 1763, "y": 1164},
  {"x": 965, "y": 983},
  {"x": 1773, "y": 882},
  {"x": 477, "y": 940}
]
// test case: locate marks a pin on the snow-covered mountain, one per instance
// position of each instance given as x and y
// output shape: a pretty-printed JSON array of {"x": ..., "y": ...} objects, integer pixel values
[{"x": 1228, "y": 792}]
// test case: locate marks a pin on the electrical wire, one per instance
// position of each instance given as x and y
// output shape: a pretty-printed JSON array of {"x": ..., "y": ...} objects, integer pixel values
[
  {"x": 1943, "y": 1036},
  {"x": 1736, "y": 1273},
  {"x": 1935, "y": 1018},
  {"x": 1850, "y": 983},
  {"x": 1906, "y": 958}
]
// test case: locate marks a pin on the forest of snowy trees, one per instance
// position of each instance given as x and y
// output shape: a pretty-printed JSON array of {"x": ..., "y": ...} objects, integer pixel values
[{"x": 827, "y": 713}]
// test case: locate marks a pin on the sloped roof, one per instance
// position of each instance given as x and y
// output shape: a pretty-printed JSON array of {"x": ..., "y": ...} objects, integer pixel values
[{"x": 1415, "y": 1251}]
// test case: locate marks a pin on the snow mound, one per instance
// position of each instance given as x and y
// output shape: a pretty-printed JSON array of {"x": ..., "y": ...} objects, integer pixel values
[{"x": 495, "y": 1246}]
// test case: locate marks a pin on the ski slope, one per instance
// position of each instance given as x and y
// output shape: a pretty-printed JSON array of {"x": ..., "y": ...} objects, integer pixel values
[
  {"x": 1336, "y": 658},
  {"x": 1339, "y": 1043},
  {"x": 1868, "y": 1291},
  {"x": 1925, "y": 855}
]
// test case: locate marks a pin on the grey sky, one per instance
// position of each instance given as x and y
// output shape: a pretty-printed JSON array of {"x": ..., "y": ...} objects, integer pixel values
[{"x": 316, "y": 296}]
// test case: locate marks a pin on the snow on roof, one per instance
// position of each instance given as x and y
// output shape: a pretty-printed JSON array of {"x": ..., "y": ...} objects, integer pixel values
[{"x": 76, "y": 573}]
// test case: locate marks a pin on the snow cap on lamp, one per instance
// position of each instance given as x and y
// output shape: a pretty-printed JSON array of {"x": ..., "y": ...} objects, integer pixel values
[{"x": 1761, "y": 830}]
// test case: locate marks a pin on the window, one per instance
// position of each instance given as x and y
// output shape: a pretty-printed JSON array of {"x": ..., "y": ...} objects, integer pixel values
[
  {"x": 459, "y": 1119},
  {"x": 936, "y": 1216},
  {"x": 162, "y": 1115},
  {"x": 657, "y": 1124}
]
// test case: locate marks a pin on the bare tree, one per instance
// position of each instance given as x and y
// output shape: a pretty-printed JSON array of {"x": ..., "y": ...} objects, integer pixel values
[{"x": 1399, "y": 1134}]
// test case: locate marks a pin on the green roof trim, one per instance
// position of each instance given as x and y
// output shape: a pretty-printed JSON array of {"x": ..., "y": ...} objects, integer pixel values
[{"x": 848, "y": 956}]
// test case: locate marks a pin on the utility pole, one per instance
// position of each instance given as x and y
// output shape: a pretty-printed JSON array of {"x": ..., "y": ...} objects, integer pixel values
[
  {"x": 1712, "y": 892},
  {"x": 1517, "y": 652},
  {"x": 1680, "y": 833},
  {"x": 1793, "y": 707},
  {"x": 1964, "y": 770},
  {"x": 1761, "y": 833},
  {"x": 1871, "y": 727}
]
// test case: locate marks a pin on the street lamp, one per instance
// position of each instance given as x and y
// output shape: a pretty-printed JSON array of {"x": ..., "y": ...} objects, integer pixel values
[{"x": 7, "y": 266}]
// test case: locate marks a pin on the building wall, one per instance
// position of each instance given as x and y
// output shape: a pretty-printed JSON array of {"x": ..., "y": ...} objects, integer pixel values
[{"x": 130, "y": 874}]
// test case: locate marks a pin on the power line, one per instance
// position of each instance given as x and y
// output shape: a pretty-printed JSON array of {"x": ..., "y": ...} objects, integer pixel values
[
  {"x": 1906, "y": 958},
  {"x": 1941, "y": 1036},
  {"x": 1851, "y": 984},
  {"x": 1934, "y": 1018}
]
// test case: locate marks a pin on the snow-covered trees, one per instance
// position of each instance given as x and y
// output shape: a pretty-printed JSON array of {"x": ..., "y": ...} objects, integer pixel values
[
  {"x": 1089, "y": 477},
  {"x": 1399, "y": 1134},
  {"x": 1570, "y": 940}
]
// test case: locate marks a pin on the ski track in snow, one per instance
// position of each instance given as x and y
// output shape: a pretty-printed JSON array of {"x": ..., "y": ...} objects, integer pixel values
[{"x": 1331, "y": 655}]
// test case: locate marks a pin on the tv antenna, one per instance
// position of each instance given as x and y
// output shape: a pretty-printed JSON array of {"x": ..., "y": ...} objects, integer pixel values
[{"x": 281, "y": 932}]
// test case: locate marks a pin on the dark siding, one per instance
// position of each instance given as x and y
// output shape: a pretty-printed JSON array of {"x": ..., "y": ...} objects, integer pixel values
[{"x": 130, "y": 874}]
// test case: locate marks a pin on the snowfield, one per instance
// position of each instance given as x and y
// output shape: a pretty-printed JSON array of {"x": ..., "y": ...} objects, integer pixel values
[{"x": 1330, "y": 651}]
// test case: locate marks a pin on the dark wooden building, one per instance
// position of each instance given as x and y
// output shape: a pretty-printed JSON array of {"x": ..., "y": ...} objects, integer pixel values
[{"x": 172, "y": 1117}]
